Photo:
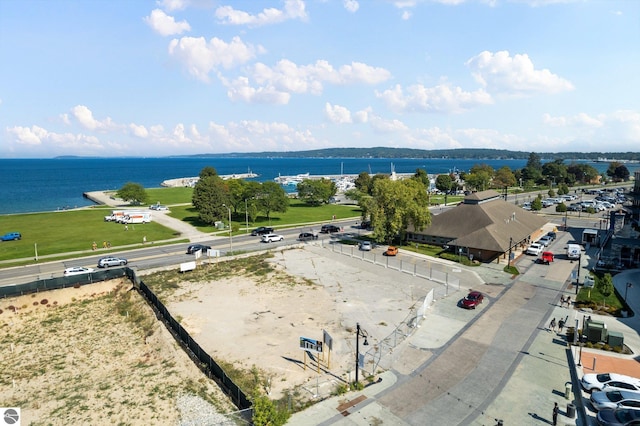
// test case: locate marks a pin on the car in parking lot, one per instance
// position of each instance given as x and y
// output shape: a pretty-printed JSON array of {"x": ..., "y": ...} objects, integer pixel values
[
  {"x": 270, "y": 238},
  {"x": 107, "y": 261},
  {"x": 307, "y": 236},
  {"x": 366, "y": 246},
  {"x": 545, "y": 240},
  {"x": 472, "y": 300},
  {"x": 535, "y": 249},
  {"x": 329, "y": 229},
  {"x": 546, "y": 258},
  {"x": 195, "y": 247},
  {"x": 262, "y": 230},
  {"x": 618, "y": 417},
  {"x": 597, "y": 381},
  {"x": 11, "y": 236},
  {"x": 552, "y": 234},
  {"x": 602, "y": 400},
  {"x": 77, "y": 270}
]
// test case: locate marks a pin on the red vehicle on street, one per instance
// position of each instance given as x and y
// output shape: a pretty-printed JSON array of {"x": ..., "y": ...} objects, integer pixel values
[
  {"x": 546, "y": 258},
  {"x": 471, "y": 300}
]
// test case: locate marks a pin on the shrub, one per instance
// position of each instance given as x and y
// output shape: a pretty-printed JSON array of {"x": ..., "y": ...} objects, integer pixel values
[
  {"x": 44, "y": 301},
  {"x": 35, "y": 303}
]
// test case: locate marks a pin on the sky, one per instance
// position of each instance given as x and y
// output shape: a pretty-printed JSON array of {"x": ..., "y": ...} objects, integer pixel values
[{"x": 113, "y": 78}]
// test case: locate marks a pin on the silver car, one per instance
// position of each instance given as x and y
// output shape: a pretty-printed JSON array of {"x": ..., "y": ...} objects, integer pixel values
[
  {"x": 615, "y": 399},
  {"x": 105, "y": 262}
]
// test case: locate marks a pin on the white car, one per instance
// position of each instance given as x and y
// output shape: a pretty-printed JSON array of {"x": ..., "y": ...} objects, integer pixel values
[
  {"x": 615, "y": 399},
  {"x": 535, "y": 249},
  {"x": 365, "y": 246},
  {"x": 77, "y": 270},
  {"x": 597, "y": 382},
  {"x": 270, "y": 238}
]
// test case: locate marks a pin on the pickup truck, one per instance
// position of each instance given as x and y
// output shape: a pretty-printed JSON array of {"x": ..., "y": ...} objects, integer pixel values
[{"x": 11, "y": 236}]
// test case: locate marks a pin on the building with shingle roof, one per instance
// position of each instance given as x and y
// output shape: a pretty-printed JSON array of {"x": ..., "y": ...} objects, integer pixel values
[{"x": 482, "y": 227}]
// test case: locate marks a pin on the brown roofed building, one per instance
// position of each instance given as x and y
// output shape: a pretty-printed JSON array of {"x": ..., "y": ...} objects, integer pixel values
[{"x": 484, "y": 226}]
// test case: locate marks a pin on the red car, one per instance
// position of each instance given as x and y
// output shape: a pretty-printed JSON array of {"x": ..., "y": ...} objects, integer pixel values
[{"x": 473, "y": 299}]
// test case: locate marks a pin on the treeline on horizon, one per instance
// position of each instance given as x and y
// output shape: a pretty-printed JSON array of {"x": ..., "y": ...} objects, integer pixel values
[{"x": 460, "y": 153}]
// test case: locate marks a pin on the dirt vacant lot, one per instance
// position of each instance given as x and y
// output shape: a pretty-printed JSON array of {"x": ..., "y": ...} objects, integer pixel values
[{"x": 97, "y": 355}]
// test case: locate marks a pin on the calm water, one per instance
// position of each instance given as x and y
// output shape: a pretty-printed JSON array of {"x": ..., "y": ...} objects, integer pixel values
[{"x": 31, "y": 185}]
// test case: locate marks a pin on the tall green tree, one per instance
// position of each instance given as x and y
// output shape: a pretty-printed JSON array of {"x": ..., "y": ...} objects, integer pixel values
[
  {"x": 209, "y": 196},
  {"x": 555, "y": 172},
  {"x": 533, "y": 170},
  {"x": 504, "y": 177},
  {"x": 605, "y": 285},
  {"x": 618, "y": 172},
  {"x": 133, "y": 192},
  {"x": 364, "y": 183},
  {"x": 421, "y": 176},
  {"x": 394, "y": 205},
  {"x": 271, "y": 198},
  {"x": 316, "y": 191}
]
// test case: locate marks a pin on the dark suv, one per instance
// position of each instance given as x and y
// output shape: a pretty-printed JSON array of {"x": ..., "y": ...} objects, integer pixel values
[
  {"x": 263, "y": 230},
  {"x": 329, "y": 229}
]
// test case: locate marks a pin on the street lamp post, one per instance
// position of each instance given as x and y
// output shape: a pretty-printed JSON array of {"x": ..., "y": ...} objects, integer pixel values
[
  {"x": 578, "y": 274},
  {"x": 230, "y": 237},
  {"x": 629, "y": 285},
  {"x": 363, "y": 333},
  {"x": 246, "y": 216}
]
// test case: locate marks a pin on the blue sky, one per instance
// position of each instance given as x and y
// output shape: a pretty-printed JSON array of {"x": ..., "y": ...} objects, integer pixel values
[{"x": 154, "y": 78}]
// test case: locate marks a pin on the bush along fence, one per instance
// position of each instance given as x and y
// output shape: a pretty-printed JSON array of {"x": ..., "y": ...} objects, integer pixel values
[{"x": 202, "y": 359}]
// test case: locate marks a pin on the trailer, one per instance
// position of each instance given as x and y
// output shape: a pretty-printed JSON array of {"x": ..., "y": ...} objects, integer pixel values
[{"x": 139, "y": 217}]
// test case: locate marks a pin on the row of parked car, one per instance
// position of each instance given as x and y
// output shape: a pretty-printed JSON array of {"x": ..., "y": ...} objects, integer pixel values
[
  {"x": 538, "y": 248},
  {"x": 616, "y": 398}
]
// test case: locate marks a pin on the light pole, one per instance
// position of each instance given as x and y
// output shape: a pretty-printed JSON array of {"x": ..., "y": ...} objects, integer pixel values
[
  {"x": 230, "y": 237},
  {"x": 246, "y": 216},
  {"x": 578, "y": 273},
  {"x": 363, "y": 333},
  {"x": 629, "y": 285}
]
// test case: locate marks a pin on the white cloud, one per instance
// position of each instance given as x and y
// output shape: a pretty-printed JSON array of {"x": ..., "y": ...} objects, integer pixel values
[
  {"x": 293, "y": 9},
  {"x": 200, "y": 57},
  {"x": 337, "y": 114},
  {"x": 139, "y": 131},
  {"x": 164, "y": 24},
  {"x": 381, "y": 125},
  {"x": 580, "y": 119},
  {"x": 172, "y": 5},
  {"x": 276, "y": 84},
  {"x": 351, "y": 5},
  {"x": 500, "y": 73},
  {"x": 442, "y": 98},
  {"x": 84, "y": 116}
]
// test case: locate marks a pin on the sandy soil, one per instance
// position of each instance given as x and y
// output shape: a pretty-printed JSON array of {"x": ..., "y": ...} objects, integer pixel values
[{"x": 82, "y": 356}]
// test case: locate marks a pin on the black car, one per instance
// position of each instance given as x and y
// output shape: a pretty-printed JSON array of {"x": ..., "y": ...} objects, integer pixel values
[
  {"x": 307, "y": 236},
  {"x": 329, "y": 229},
  {"x": 195, "y": 247},
  {"x": 552, "y": 235},
  {"x": 263, "y": 230}
]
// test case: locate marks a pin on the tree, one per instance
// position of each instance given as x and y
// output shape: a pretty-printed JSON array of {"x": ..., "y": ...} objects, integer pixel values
[
  {"x": 132, "y": 192},
  {"x": 444, "y": 183},
  {"x": 396, "y": 204},
  {"x": 618, "y": 172},
  {"x": 561, "y": 207},
  {"x": 422, "y": 176},
  {"x": 209, "y": 195},
  {"x": 316, "y": 191},
  {"x": 504, "y": 177},
  {"x": 271, "y": 198},
  {"x": 363, "y": 183},
  {"x": 533, "y": 170},
  {"x": 536, "y": 204},
  {"x": 554, "y": 172},
  {"x": 479, "y": 180},
  {"x": 605, "y": 285}
]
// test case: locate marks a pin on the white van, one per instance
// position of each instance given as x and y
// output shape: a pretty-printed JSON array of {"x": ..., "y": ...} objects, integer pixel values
[{"x": 573, "y": 251}]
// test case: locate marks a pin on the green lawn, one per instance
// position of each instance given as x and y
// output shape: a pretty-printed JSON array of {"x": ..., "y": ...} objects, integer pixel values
[
  {"x": 298, "y": 214},
  {"x": 72, "y": 230}
]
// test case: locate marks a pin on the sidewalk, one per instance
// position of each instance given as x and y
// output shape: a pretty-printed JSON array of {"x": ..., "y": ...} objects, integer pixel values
[{"x": 543, "y": 370}]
